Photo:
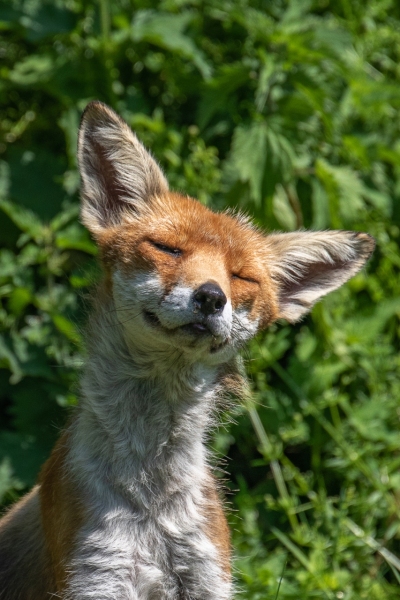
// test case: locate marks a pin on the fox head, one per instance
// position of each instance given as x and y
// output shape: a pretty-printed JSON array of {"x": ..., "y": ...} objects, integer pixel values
[{"x": 183, "y": 277}]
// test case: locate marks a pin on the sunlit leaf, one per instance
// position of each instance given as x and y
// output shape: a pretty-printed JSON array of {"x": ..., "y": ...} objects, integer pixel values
[
  {"x": 248, "y": 157},
  {"x": 32, "y": 70},
  {"x": 166, "y": 31}
]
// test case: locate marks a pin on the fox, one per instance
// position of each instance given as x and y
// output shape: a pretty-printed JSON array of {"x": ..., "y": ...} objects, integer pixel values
[{"x": 128, "y": 506}]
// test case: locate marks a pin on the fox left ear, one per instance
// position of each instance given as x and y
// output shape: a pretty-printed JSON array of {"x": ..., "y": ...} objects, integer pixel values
[
  {"x": 118, "y": 174},
  {"x": 308, "y": 265}
]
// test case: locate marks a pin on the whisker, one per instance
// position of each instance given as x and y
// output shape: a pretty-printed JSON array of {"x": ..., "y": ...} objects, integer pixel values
[
  {"x": 131, "y": 318},
  {"x": 116, "y": 309}
]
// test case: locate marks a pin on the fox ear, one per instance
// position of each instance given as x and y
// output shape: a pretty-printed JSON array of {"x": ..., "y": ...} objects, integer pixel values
[
  {"x": 309, "y": 265},
  {"x": 118, "y": 174}
]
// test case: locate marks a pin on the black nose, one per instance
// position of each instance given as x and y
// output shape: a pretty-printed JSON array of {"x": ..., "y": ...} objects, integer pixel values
[{"x": 209, "y": 298}]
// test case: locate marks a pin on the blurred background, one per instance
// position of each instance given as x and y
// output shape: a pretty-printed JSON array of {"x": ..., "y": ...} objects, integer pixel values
[{"x": 289, "y": 110}]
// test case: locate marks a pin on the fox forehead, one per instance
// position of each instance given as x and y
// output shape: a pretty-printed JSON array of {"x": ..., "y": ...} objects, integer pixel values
[{"x": 190, "y": 228}]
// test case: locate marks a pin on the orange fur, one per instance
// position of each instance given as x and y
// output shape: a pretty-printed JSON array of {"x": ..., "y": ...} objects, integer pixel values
[
  {"x": 216, "y": 526},
  {"x": 62, "y": 510}
]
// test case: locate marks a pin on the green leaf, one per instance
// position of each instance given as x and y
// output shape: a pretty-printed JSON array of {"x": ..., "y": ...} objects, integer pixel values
[
  {"x": 366, "y": 329},
  {"x": 166, "y": 31},
  {"x": 24, "y": 219},
  {"x": 4, "y": 180},
  {"x": 320, "y": 206},
  {"x": 67, "y": 328},
  {"x": 247, "y": 158},
  {"x": 8, "y": 482},
  {"x": 69, "y": 123},
  {"x": 217, "y": 91},
  {"x": 49, "y": 20},
  {"x": 24, "y": 454},
  {"x": 20, "y": 297},
  {"x": 32, "y": 70},
  {"x": 63, "y": 218},
  {"x": 75, "y": 237},
  {"x": 344, "y": 189},
  {"x": 283, "y": 210},
  {"x": 295, "y": 550},
  {"x": 9, "y": 361},
  {"x": 267, "y": 72}
]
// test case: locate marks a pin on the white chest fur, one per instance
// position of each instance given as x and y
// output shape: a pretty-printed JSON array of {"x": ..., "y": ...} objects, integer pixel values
[
  {"x": 138, "y": 456},
  {"x": 154, "y": 556}
]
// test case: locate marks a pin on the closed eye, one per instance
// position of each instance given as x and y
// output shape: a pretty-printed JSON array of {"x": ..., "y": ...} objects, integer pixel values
[
  {"x": 167, "y": 249},
  {"x": 249, "y": 279}
]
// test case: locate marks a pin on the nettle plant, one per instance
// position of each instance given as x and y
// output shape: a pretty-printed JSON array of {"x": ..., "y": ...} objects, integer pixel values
[
  {"x": 314, "y": 462},
  {"x": 40, "y": 346}
]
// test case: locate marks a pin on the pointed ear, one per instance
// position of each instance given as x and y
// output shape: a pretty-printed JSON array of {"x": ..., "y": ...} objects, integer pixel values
[
  {"x": 309, "y": 265},
  {"x": 118, "y": 174}
]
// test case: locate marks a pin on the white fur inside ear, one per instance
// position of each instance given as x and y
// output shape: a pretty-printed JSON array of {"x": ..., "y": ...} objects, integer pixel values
[
  {"x": 118, "y": 174},
  {"x": 309, "y": 265}
]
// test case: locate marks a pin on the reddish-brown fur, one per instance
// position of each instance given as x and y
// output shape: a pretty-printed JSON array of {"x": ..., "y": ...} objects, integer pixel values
[
  {"x": 26, "y": 570},
  {"x": 62, "y": 511},
  {"x": 216, "y": 526}
]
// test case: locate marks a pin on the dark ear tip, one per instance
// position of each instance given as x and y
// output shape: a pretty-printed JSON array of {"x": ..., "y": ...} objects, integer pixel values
[
  {"x": 98, "y": 111},
  {"x": 366, "y": 242}
]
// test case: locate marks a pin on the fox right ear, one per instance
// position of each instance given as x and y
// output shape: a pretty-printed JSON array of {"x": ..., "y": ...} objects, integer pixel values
[
  {"x": 118, "y": 174},
  {"x": 307, "y": 265}
]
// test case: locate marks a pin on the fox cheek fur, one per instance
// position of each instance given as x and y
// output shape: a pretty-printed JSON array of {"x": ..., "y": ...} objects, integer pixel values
[{"x": 127, "y": 506}]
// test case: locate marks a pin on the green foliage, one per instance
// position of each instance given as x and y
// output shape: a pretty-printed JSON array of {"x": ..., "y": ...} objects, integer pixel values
[{"x": 288, "y": 109}]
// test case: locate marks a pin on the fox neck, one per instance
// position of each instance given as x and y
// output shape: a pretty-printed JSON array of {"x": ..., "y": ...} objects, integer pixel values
[{"x": 143, "y": 419}]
